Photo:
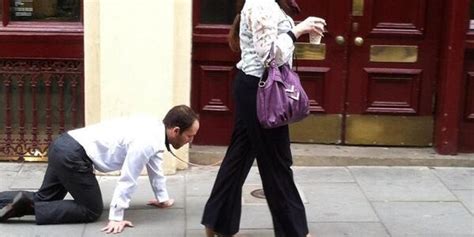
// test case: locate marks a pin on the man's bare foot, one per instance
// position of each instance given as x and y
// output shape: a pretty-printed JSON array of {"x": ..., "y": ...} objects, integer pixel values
[{"x": 165, "y": 204}]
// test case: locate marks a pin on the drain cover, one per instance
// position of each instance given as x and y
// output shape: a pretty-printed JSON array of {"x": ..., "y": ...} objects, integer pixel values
[{"x": 258, "y": 193}]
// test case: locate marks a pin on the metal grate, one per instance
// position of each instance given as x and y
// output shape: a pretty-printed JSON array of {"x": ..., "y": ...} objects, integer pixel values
[
  {"x": 40, "y": 99},
  {"x": 258, "y": 193}
]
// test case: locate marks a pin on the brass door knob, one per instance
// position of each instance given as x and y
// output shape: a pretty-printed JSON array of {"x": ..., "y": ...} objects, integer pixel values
[
  {"x": 340, "y": 40},
  {"x": 359, "y": 41}
]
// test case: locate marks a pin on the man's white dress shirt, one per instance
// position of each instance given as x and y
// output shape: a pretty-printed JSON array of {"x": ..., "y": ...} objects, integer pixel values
[{"x": 128, "y": 145}]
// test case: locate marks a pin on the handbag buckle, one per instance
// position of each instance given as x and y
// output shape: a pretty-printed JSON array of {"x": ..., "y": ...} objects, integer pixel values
[{"x": 261, "y": 83}]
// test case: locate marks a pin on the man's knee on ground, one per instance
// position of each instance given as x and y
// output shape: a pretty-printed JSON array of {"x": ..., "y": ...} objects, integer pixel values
[{"x": 93, "y": 214}]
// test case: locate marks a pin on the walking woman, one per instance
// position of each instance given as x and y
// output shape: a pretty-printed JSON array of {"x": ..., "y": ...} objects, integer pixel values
[{"x": 258, "y": 25}]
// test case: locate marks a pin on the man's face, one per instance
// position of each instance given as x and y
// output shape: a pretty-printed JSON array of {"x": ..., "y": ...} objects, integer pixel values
[{"x": 177, "y": 139}]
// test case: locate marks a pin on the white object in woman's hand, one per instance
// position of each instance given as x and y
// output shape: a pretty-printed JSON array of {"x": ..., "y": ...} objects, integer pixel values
[{"x": 311, "y": 24}]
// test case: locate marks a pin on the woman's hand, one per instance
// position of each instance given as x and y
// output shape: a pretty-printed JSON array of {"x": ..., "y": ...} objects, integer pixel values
[
  {"x": 116, "y": 227},
  {"x": 311, "y": 24}
]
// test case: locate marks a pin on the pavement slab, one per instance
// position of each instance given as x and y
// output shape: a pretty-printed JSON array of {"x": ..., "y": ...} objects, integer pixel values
[
  {"x": 242, "y": 233},
  {"x": 10, "y": 166},
  {"x": 150, "y": 222},
  {"x": 144, "y": 193},
  {"x": 255, "y": 217},
  {"x": 254, "y": 176},
  {"x": 456, "y": 178},
  {"x": 337, "y": 202},
  {"x": 7, "y": 178},
  {"x": 194, "y": 211},
  {"x": 466, "y": 197},
  {"x": 348, "y": 229},
  {"x": 401, "y": 184},
  {"x": 26, "y": 227},
  {"x": 199, "y": 181},
  {"x": 29, "y": 177},
  {"x": 430, "y": 219},
  {"x": 322, "y": 174}
]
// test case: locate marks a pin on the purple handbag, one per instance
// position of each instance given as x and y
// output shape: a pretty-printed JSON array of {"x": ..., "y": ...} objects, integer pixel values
[{"x": 280, "y": 97}]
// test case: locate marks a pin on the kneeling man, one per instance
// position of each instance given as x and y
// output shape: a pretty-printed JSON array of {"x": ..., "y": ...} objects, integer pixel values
[{"x": 125, "y": 144}]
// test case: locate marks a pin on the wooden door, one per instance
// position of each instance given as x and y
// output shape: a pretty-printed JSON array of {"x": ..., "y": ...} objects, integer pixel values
[
  {"x": 379, "y": 69},
  {"x": 323, "y": 71},
  {"x": 370, "y": 81},
  {"x": 466, "y": 121},
  {"x": 394, "y": 50},
  {"x": 213, "y": 70},
  {"x": 466, "y": 129}
]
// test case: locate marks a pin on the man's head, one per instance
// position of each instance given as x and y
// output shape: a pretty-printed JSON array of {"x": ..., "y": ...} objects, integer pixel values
[{"x": 182, "y": 124}]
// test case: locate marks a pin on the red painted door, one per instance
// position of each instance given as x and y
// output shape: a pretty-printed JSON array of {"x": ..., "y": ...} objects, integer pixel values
[
  {"x": 213, "y": 70},
  {"x": 370, "y": 81},
  {"x": 394, "y": 47},
  {"x": 466, "y": 129}
]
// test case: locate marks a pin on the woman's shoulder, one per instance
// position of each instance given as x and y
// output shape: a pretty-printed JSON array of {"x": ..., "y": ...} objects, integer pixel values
[{"x": 262, "y": 4}]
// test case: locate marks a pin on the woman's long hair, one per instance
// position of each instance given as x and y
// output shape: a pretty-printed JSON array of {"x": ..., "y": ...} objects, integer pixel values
[{"x": 233, "y": 37}]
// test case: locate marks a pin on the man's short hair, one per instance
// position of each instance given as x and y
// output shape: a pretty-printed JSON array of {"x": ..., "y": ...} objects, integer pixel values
[{"x": 181, "y": 116}]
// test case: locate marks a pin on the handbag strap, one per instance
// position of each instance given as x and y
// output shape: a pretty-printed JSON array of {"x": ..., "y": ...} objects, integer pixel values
[
  {"x": 270, "y": 62},
  {"x": 271, "y": 56}
]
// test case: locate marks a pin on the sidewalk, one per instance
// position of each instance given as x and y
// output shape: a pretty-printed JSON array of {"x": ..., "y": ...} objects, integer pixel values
[
  {"x": 337, "y": 155},
  {"x": 340, "y": 201}
]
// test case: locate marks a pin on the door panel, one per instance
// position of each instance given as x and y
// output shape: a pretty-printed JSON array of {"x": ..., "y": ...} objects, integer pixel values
[
  {"x": 403, "y": 85},
  {"x": 213, "y": 70},
  {"x": 392, "y": 71},
  {"x": 401, "y": 17},
  {"x": 466, "y": 131},
  {"x": 213, "y": 75},
  {"x": 324, "y": 77}
]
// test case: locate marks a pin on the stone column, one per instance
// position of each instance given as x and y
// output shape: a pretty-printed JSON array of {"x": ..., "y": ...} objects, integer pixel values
[{"x": 137, "y": 59}]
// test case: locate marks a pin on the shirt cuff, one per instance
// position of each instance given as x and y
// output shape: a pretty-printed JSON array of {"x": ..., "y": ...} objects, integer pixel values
[
  {"x": 292, "y": 35},
  {"x": 116, "y": 214}
]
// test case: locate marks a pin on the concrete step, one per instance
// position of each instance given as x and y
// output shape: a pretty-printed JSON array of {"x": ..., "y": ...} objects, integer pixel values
[{"x": 334, "y": 155}]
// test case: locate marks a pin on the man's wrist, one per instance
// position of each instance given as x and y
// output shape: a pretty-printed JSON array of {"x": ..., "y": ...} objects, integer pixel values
[{"x": 116, "y": 214}]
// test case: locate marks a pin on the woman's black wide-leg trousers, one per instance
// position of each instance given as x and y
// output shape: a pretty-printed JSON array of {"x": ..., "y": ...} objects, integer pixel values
[{"x": 271, "y": 148}]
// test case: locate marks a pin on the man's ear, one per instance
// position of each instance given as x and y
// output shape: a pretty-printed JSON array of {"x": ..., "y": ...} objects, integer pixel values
[{"x": 176, "y": 130}]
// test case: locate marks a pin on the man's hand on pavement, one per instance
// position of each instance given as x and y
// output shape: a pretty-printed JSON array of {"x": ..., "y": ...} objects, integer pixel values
[
  {"x": 116, "y": 227},
  {"x": 159, "y": 204}
]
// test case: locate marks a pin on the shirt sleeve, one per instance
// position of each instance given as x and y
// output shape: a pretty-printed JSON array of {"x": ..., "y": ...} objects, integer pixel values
[
  {"x": 157, "y": 177},
  {"x": 135, "y": 161},
  {"x": 264, "y": 26}
]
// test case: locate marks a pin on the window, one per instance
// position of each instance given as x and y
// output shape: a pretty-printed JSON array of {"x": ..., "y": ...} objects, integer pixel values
[
  {"x": 44, "y": 10},
  {"x": 40, "y": 15},
  {"x": 217, "y": 11}
]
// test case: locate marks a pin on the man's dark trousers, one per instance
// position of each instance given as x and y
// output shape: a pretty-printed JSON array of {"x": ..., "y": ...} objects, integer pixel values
[{"x": 69, "y": 170}]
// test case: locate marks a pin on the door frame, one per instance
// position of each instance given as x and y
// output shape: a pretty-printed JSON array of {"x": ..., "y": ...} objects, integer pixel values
[{"x": 449, "y": 87}]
